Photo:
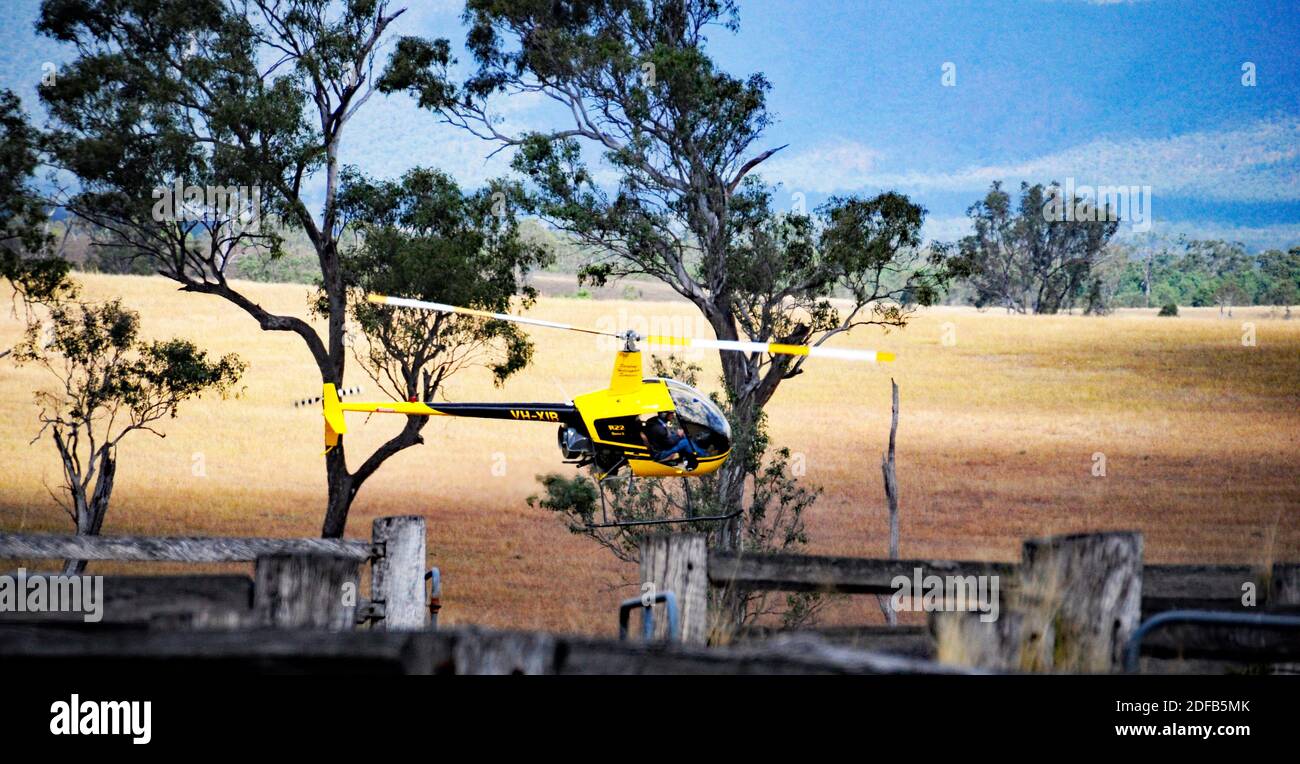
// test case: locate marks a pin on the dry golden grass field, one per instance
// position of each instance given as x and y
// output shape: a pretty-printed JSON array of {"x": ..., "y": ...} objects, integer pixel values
[{"x": 996, "y": 443}]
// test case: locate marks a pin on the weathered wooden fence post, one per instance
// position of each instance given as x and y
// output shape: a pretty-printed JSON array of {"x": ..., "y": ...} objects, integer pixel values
[
  {"x": 1081, "y": 596},
  {"x": 962, "y": 639},
  {"x": 305, "y": 591},
  {"x": 678, "y": 563},
  {"x": 397, "y": 576},
  {"x": 1076, "y": 601}
]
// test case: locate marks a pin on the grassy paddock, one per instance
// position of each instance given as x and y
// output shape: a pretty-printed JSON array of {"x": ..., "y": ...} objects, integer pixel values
[{"x": 996, "y": 443}]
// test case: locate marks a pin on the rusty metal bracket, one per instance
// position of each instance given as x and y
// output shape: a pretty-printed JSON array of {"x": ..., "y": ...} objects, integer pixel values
[{"x": 370, "y": 610}]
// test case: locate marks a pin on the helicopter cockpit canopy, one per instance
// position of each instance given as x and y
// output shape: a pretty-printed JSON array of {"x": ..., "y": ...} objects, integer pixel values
[{"x": 703, "y": 421}]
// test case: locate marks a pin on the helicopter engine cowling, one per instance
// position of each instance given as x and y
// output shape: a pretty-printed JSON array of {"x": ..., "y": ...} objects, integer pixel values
[{"x": 574, "y": 444}]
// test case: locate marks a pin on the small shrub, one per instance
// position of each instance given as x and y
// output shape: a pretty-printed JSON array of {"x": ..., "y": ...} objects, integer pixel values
[{"x": 1169, "y": 309}]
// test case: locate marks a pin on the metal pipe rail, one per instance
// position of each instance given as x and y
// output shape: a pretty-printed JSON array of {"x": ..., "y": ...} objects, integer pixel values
[
  {"x": 648, "y": 616},
  {"x": 1133, "y": 649}
]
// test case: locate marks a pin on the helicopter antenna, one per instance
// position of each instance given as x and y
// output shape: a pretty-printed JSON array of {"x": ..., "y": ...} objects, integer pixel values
[{"x": 561, "y": 388}]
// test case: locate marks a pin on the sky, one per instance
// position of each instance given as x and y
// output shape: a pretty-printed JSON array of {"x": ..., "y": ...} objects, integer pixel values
[{"x": 1199, "y": 101}]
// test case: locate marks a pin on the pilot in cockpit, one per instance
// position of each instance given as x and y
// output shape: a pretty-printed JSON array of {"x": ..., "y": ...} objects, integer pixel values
[{"x": 668, "y": 441}]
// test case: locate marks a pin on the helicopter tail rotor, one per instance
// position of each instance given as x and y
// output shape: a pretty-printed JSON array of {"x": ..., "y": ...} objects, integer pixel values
[
  {"x": 318, "y": 398},
  {"x": 332, "y": 409}
]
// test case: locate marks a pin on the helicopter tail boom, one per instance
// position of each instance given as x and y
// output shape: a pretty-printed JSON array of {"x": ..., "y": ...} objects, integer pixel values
[
  {"x": 556, "y": 413},
  {"x": 335, "y": 425}
]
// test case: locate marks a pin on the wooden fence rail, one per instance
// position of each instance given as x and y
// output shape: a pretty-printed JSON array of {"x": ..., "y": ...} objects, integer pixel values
[
  {"x": 1164, "y": 587},
  {"x": 39, "y": 546},
  {"x": 1068, "y": 605},
  {"x": 847, "y": 575},
  {"x": 454, "y": 651},
  {"x": 396, "y": 553},
  {"x": 1055, "y": 593}
]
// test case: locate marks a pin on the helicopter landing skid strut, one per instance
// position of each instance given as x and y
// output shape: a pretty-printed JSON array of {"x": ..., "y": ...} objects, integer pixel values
[{"x": 605, "y": 523}]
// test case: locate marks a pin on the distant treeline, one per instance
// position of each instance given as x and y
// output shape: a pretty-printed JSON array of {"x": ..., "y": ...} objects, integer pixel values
[
  {"x": 1025, "y": 260},
  {"x": 1200, "y": 273},
  {"x": 1151, "y": 271},
  {"x": 298, "y": 263}
]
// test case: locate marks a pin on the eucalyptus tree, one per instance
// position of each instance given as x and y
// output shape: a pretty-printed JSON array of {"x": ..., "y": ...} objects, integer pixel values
[
  {"x": 683, "y": 139},
  {"x": 109, "y": 383},
  {"x": 169, "y": 108},
  {"x": 422, "y": 237},
  {"x": 1280, "y": 278},
  {"x": 1027, "y": 256},
  {"x": 25, "y": 258}
]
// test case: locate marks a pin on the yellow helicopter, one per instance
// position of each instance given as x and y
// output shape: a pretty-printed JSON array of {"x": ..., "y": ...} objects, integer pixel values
[{"x": 653, "y": 427}]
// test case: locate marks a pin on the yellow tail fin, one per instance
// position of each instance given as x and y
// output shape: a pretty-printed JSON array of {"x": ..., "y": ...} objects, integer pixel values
[{"x": 334, "y": 423}]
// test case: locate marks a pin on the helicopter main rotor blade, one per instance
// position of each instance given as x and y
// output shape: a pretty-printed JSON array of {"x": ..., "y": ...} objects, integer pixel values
[
  {"x": 778, "y": 348},
  {"x": 653, "y": 341},
  {"x": 404, "y": 302}
]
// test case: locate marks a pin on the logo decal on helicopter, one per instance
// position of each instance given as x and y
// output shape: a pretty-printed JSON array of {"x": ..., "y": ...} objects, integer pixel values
[{"x": 540, "y": 416}]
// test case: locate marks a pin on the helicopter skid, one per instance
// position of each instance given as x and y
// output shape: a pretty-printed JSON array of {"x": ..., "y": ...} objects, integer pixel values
[{"x": 667, "y": 521}]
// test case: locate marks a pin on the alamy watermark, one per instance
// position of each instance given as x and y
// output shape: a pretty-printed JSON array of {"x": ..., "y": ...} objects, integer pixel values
[
  {"x": 652, "y": 326},
  {"x": 1090, "y": 204},
  {"x": 930, "y": 594},
  {"x": 52, "y": 593},
  {"x": 103, "y": 717},
  {"x": 239, "y": 207}
]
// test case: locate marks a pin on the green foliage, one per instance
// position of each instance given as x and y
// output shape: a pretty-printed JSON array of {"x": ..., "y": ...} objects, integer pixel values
[
  {"x": 1025, "y": 259},
  {"x": 21, "y": 213},
  {"x": 775, "y": 512},
  {"x": 96, "y": 353},
  {"x": 164, "y": 93},
  {"x": 1168, "y": 310},
  {"x": 1201, "y": 273},
  {"x": 421, "y": 237},
  {"x": 419, "y": 66},
  {"x": 25, "y": 261},
  {"x": 214, "y": 94},
  {"x": 680, "y": 133},
  {"x": 1279, "y": 277},
  {"x": 576, "y": 497}
]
